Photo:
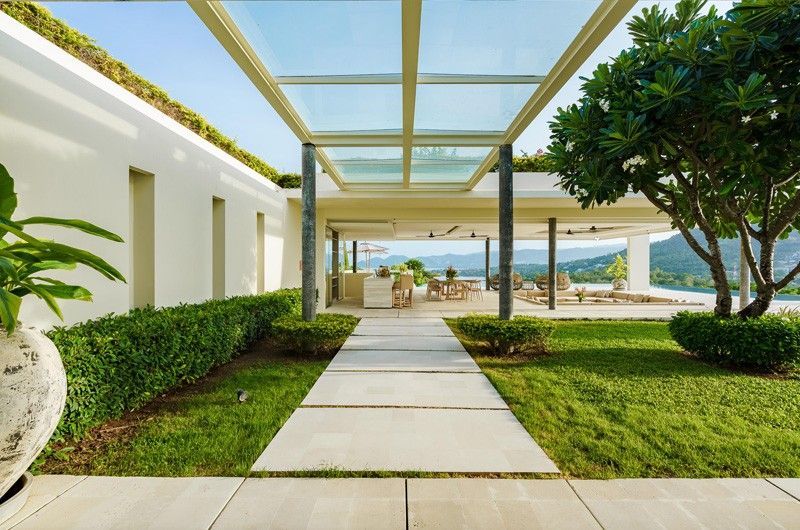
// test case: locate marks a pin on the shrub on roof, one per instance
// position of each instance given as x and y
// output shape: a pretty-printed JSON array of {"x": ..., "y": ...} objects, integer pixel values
[{"x": 83, "y": 47}]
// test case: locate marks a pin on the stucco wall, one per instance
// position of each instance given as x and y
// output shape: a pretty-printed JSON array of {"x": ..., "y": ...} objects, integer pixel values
[{"x": 69, "y": 137}]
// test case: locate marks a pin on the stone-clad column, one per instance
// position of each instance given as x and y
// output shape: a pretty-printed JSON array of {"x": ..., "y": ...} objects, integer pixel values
[
  {"x": 506, "y": 225},
  {"x": 309, "y": 238}
]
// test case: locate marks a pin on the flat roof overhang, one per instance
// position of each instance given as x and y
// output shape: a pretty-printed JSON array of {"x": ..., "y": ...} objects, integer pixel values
[{"x": 449, "y": 81}]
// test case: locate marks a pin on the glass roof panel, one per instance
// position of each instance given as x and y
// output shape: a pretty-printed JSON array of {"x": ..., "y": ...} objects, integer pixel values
[
  {"x": 469, "y": 107},
  {"x": 518, "y": 37},
  {"x": 445, "y": 164},
  {"x": 347, "y": 107},
  {"x": 302, "y": 38},
  {"x": 368, "y": 164}
]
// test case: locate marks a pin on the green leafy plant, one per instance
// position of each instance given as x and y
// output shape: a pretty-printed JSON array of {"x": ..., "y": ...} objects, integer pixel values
[
  {"x": 118, "y": 363},
  {"x": 521, "y": 334},
  {"x": 618, "y": 269},
  {"x": 701, "y": 116},
  {"x": 451, "y": 272},
  {"x": 767, "y": 342},
  {"x": 421, "y": 274},
  {"x": 25, "y": 259},
  {"x": 322, "y": 335}
]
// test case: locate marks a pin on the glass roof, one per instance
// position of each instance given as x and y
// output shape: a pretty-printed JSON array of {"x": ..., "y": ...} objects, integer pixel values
[{"x": 412, "y": 92}]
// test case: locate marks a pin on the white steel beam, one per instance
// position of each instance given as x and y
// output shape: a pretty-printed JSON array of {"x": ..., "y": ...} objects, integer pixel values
[{"x": 411, "y": 17}]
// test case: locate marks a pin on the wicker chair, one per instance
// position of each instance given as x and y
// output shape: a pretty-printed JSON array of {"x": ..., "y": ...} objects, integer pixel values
[
  {"x": 434, "y": 286},
  {"x": 563, "y": 281},
  {"x": 516, "y": 280}
]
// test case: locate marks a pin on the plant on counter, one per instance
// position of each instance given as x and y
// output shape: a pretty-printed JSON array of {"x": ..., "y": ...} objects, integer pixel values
[
  {"x": 522, "y": 334},
  {"x": 33, "y": 386},
  {"x": 323, "y": 335}
]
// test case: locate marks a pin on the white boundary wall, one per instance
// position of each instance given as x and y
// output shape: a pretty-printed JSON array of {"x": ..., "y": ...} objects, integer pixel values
[{"x": 69, "y": 137}]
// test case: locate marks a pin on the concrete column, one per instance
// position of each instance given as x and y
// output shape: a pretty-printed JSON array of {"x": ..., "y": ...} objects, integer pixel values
[
  {"x": 309, "y": 238},
  {"x": 744, "y": 278},
  {"x": 552, "y": 270},
  {"x": 488, "y": 264},
  {"x": 355, "y": 256},
  {"x": 506, "y": 225},
  {"x": 639, "y": 263}
]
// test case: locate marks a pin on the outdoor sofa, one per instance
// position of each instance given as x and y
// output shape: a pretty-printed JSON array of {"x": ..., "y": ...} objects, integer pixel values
[{"x": 539, "y": 296}]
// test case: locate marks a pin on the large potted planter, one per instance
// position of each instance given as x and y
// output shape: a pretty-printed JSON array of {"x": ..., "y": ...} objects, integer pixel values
[
  {"x": 33, "y": 385},
  {"x": 619, "y": 272}
]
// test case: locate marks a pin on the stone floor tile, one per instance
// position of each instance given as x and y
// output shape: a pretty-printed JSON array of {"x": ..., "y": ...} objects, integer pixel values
[
  {"x": 414, "y": 322},
  {"x": 491, "y": 503},
  {"x": 403, "y": 331},
  {"x": 136, "y": 503},
  {"x": 45, "y": 489},
  {"x": 689, "y": 503},
  {"x": 403, "y": 361},
  {"x": 789, "y": 485},
  {"x": 374, "y": 439},
  {"x": 316, "y": 503},
  {"x": 409, "y": 342},
  {"x": 380, "y": 389}
]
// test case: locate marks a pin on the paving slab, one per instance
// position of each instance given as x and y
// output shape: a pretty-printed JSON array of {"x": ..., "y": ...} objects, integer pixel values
[
  {"x": 402, "y": 331},
  {"x": 688, "y": 503},
  {"x": 409, "y": 342},
  {"x": 136, "y": 502},
  {"x": 403, "y": 361},
  {"x": 490, "y": 503},
  {"x": 404, "y": 439},
  {"x": 45, "y": 489},
  {"x": 403, "y": 389},
  {"x": 316, "y": 503},
  {"x": 405, "y": 322},
  {"x": 789, "y": 485}
]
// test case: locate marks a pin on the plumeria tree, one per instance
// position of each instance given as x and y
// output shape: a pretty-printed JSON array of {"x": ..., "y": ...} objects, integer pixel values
[{"x": 702, "y": 116}]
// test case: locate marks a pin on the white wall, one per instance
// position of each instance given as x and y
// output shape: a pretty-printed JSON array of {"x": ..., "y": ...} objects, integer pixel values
[{"x": 69, "y": 136}]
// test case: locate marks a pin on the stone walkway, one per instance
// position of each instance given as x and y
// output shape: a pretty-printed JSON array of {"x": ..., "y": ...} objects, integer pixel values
[
  {"x": 404, "y": 395},
  {"x": 67, "y": 502}
]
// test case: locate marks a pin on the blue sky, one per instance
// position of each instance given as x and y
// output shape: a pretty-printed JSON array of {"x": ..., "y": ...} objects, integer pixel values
[{"x": 166, "y": 43}]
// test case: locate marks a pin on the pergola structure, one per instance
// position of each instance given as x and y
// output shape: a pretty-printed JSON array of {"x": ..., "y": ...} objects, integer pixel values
[{"x": 410, "y": 95}]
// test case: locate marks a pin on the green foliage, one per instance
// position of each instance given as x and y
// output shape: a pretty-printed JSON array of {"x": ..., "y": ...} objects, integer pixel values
[
  {"x": 288, "y": 180},
  {"x": 84, "y": 48},
  {"x": 521, "y": 334},
  {"x": 118, "y": 363},
  {"x": 23, "y": 260},
  {"x": 421, "y": 274},
  {"x": 323, "y": 335},
  {"x": 618, "y": 269},
  {"x": 526, "y": 163},
  {"x": 766, "y": 342},
  {"x": 701, "y": 115}
]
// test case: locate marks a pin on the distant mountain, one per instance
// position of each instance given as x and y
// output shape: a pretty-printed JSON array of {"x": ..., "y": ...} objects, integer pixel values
[
  {"x": 477, "y": 259},
  {"x": 671, "y": 255}
]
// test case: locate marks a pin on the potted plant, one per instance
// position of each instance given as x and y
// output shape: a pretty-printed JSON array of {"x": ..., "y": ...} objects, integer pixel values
[
  {"x": 619, "y": 272},
  {"x": 33, "y": 384},
  {"x": 450, "y": 273},
  {"x": 580, "y": 292}
]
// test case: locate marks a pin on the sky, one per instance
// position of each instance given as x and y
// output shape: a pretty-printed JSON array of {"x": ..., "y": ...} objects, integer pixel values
[{"x": 167, "y": 44}]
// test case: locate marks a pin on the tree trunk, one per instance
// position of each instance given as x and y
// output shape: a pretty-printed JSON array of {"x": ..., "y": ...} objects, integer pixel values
[
  {"x": 720, "y": 278},
  {"x": 760, "y": 303}
]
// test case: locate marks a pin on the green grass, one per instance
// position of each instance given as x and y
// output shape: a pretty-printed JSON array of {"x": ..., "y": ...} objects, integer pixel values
[
  {"x": 201, "y": 430},
  {"x": 619, "y": 399}
]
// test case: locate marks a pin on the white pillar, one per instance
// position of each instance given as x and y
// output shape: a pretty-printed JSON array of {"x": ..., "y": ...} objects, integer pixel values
[{"x": 639, "y": 263}]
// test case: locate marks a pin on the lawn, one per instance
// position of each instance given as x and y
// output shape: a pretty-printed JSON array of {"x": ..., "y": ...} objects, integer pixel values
[
  {"x": 619, "y": 399},
  {"x": 202, "y": 429}
]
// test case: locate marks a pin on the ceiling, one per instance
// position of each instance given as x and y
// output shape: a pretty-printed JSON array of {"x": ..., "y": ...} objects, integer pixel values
[{"x": 411, "y": 94}]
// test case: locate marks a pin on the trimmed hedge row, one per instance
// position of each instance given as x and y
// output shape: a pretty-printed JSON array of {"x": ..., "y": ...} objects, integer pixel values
[
  {"x": 118, "y": 363},
  {"x": 323, "y": 335},
  {"x": 521, "y": 334},
  {"x": 769, "y": 341}
]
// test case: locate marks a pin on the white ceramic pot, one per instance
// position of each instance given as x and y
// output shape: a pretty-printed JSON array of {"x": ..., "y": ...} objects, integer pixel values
[
  {"x": 619, "y": 285},
  {"x": 33, "y": 389}
]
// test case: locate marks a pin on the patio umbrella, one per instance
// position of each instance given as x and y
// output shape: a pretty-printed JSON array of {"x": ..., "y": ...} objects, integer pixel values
[{"x": 369, "y": 249}]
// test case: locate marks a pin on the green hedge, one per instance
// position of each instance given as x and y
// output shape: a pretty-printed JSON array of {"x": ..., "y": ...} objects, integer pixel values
[
  {"x": 522, "y": 334},
  {"x": 769, "y": 341},
  {"x": 118, "y": 363},
  {"x": 323, "y": 335}
]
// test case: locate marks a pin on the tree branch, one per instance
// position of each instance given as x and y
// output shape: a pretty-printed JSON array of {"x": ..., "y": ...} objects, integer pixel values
[{"x": 791, "y": 275}]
